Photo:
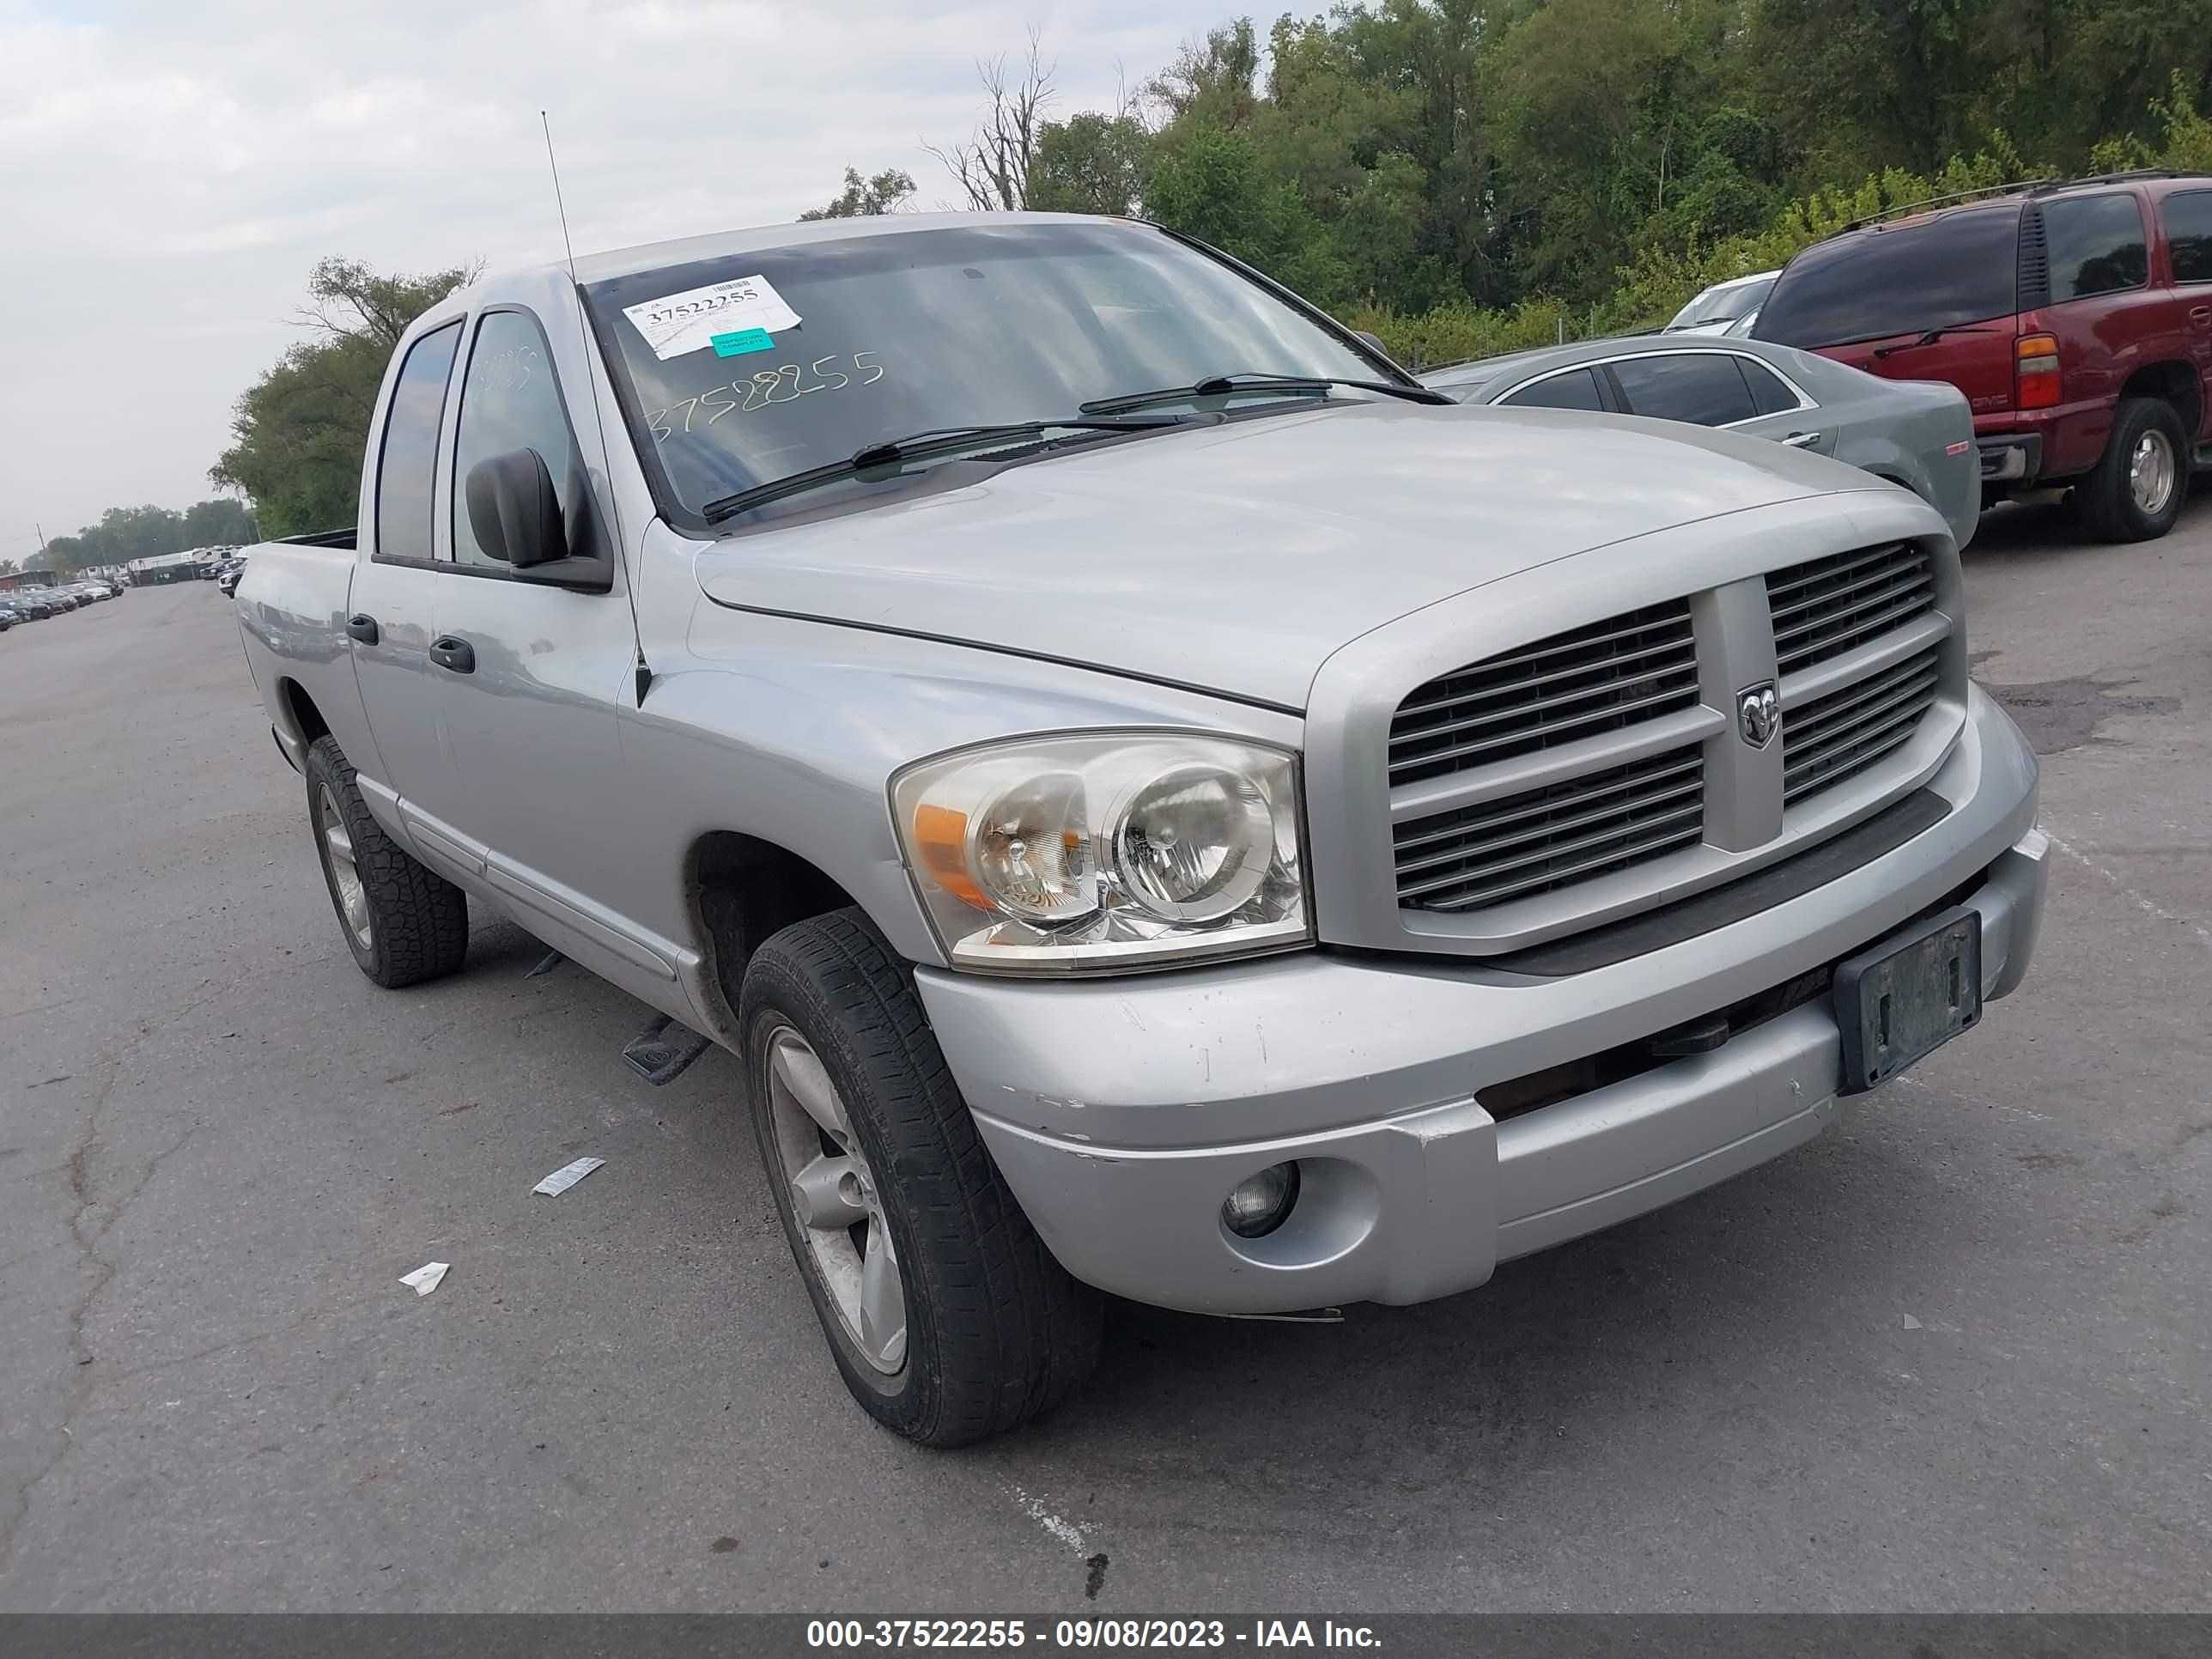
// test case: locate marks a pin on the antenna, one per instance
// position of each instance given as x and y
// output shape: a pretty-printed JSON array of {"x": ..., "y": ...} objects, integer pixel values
[
  {"x": 558, "y": 203},
  {"x": 606, "y": 462}
]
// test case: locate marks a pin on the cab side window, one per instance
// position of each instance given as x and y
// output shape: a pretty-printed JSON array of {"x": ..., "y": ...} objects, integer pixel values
[
  {"x": 409, "y": 459},
  {"x": 510, "y": 401}
]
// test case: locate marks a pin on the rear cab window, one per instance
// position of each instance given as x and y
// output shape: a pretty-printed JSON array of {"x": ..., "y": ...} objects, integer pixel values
[
  {"x": 1961, "y": 267},
  {"x": 2096, "y": 245},
  {"x": 1704, "y": 388},
  {"x": 408, "y": 461},
  {"x": 2187, "y": 214}
]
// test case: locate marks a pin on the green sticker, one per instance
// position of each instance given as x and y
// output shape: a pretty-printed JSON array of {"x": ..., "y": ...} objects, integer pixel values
[{"x": 745, "y": 340}]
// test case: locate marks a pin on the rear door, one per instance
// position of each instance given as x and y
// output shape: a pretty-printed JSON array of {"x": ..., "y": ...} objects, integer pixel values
[
  {"x": 392, "y": 599},
  {"x": 2187, "y": 217},
  {"x": 1719, "y": 389},
  {"x": 1868, "y": 297}
]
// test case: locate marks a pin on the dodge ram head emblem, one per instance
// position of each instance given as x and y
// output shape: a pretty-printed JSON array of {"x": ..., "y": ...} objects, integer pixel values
[{"x": 1759, "y": 713}]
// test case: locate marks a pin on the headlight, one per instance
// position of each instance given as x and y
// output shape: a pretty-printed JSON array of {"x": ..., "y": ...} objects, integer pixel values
[{"x": 1082, "y": 854}]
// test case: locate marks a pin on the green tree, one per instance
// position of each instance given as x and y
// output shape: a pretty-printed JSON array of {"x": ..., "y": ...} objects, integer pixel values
[
  {"x": 219, "y": 522},
  {"x": 298, "y": 432},
  {"x": 1092, "y": 162},
  {"x": 865, "y": 197},
  {"x": 1210, "y": 183}
]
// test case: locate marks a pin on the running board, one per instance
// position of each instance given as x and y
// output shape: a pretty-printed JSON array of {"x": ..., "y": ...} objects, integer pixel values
[{"x": 663, "y": 1051}]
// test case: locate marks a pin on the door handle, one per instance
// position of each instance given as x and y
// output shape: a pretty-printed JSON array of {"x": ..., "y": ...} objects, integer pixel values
[
  {"x": 450, "y": 651},
  {"x": 1801, "y": 440},
  {"x": 363, "y": 627},
  {"x": 2200, "y": 314}
]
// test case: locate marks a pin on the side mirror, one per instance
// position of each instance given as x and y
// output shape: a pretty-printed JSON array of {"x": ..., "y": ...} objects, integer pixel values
[
  {"x": 1373, "y": 343},
  {"x": 513, "y": 511}
]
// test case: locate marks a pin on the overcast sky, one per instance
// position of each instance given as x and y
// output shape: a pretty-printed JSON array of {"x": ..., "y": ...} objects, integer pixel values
[{"x": 169, "y": 172}]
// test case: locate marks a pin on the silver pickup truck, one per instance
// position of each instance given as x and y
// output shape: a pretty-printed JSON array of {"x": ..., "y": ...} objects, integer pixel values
[{"x": 1157, "y": 804}]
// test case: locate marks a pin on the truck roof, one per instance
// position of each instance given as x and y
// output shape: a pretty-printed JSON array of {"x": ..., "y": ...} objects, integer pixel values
[
  {"x": 689, "y": 250},
  {"x": 543, "y": 281}
]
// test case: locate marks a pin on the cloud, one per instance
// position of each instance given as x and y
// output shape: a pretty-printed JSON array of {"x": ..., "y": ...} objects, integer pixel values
[{"x": 169, "y": 173}]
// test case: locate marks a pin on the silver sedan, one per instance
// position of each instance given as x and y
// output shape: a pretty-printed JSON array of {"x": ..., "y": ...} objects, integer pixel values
[{"x": 1917, "y": 433}]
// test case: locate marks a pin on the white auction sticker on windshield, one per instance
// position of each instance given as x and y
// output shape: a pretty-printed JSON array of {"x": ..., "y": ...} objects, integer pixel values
[{"x": 689, "y": 321}]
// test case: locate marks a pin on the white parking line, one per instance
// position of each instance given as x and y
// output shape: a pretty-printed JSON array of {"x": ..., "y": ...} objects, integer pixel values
[{"x": 2203, "y": 935}]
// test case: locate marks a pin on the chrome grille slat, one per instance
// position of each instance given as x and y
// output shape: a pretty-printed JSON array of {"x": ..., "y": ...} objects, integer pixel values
[
  {"x": 1838, "y": 736},
  {"x": 1692, "y": 791},
  {"x": 1870, "y": 698},
  {"x": 1410, "y": 710},
  {"x": 1509, "y": 779},
  {"x": 1547, "y": 837},
  {"x": 1597, "y": 864},
  {"x": 1900, "y": 597},
  {"x": 1781, "y": 582},
  {"x": 1577, "y": 638},
  {"x": 1670, "y": 697},
  {"x": 1668, "y": 671},
  {"x": 1885, "y": 585},
  {"x": 1603, "y": 678},
  {"x": 1826, "y": 607},
  {"x": 1408, "y": 838},
  {"x": 1855, "y": 760}
]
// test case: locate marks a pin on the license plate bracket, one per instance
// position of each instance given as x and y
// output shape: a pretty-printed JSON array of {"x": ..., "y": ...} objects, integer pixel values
[{"x": 1902, "y": 999}]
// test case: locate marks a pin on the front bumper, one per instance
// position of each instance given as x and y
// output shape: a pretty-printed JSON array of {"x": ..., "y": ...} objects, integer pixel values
[{"x": 1123, "y": 1111}]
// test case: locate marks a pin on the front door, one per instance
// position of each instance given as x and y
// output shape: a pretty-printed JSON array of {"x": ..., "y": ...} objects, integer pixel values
[{"x": 530, "y": 676}]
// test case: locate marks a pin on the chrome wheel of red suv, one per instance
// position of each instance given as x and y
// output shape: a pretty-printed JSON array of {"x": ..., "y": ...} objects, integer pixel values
[{"x": 2150, "y": 472}]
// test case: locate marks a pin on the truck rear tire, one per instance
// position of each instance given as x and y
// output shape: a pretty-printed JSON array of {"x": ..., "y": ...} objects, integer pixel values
[
  {"x": 2136, "y": 491},
  {"x": 948, "y": 1318},
  {"x": 403, "y": 922}
]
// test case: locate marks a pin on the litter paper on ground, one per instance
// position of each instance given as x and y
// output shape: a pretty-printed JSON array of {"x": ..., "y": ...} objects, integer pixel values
[
  {"x": 424, "y": 1280},
  {"x": 568, "y": 1176}
]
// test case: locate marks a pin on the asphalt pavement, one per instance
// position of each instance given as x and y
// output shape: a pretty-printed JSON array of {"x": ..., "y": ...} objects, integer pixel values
[{"x": 1954, "y": 1355}]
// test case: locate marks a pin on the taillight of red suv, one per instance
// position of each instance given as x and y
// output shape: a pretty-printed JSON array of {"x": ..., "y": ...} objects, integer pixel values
[{"x": 2035, "y": 372}]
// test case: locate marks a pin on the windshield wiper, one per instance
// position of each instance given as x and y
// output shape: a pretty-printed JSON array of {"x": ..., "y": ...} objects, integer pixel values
[
  {"x": 1929, "y": 339},
  {"x": 1216, "y": 386},
  {"x": 916, "y": 446}
]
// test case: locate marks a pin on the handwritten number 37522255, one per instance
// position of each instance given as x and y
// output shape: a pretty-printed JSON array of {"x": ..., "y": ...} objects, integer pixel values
[{"x": 783, "y": 384}]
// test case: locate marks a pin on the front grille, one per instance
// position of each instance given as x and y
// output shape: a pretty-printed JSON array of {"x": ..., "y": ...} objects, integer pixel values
[
  {"x": 1840, "y": 735},
  {"x": 1596, "y": 679},
  {"x": 1545, "y": 839},
  {"x": 1831, "y": 605}
]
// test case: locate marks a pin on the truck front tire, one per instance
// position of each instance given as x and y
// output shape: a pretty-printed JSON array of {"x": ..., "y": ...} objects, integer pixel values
[
  {"x": 948, "y": 1318},
  {"x": 2136, "y": 492},
  {"x": 403, "y": 923}
]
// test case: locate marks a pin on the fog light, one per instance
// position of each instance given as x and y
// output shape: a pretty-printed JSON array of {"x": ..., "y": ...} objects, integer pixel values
[{"x": 1259, "y": 1204}]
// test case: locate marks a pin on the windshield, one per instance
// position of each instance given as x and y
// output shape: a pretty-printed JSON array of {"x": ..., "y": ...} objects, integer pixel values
[
  {"x": 1720, "y": 305},
  {"x": 797, "y": 357},
  {"x": 1961, "y": 267}
]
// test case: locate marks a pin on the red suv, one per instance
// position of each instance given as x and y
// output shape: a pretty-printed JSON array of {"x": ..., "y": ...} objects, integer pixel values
[{"x": 2077, "y": 317}]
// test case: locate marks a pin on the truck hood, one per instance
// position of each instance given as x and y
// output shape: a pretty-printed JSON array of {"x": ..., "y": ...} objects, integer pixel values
[{"x": 1235, "y": 559}]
